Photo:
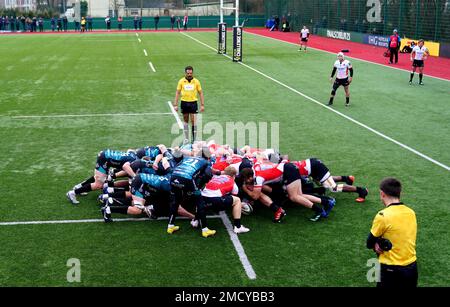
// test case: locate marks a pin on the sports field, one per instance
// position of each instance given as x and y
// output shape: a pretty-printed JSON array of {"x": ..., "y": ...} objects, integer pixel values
[{"x": 66, "y": 97}]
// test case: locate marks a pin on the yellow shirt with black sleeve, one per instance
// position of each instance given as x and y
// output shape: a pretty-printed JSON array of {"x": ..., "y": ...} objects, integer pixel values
[
  {"x": 398, "y": 224},
  {"x": 188, "y": 89}
]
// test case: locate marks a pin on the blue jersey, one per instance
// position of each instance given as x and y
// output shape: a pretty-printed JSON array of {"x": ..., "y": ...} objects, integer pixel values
[
  {"x": 191, "y": 168},
  {"x": 142, "y": 166},
  {"x": 149, "y": 151},
  {"x": 156, "y": 183},
  {"x": 119, "y": 156}
]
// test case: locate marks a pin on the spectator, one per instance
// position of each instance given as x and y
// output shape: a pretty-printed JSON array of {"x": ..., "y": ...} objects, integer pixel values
[
  {"x": 108, "y": 23},
  {"x": 156, "y": 22},
  {"x": 140, "y": 22},
  {"x": 89, "y": 23},
  {"x": 41, "y": 24},
  {"x": 119, "y": 22},
  {"x": 277, "y": 23},
  {"x": 65, "y": 22},
  {"x": 53, "y": 23},
  {"x": 135, "y": 22},
  {"x": 394, "y": 45},
  {"x": 185, "y": 22},
  {"x": 178, "y": 23},
  {"x": 59, "y": 26},
  {"x": 172, "y": 21},
  {"x": 77, "y": 24},
  {"x": 83, "y": 24}
]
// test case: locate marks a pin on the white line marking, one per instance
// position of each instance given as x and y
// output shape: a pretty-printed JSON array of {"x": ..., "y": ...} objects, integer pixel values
[
  {"x": 151, "y": 66},
  {"x": 137, "y": 35},
  {"x": 145, "y": 52},
  {"x": 177, "y": 118},
  {"x": 85, "y": 115},
  {"x": 333, "y": 110},
  {"x": 139, "y": 40},
  {"x": 359, "y": 59},
  {"x": 238, "y": 246},
  {"x": 92, "y": 221}
]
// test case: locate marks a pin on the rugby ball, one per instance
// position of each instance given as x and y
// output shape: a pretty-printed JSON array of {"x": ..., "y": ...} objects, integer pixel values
[{"x": 247, "y": 209}]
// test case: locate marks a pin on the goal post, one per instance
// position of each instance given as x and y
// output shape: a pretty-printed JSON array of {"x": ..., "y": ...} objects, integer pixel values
[{"x": 237, "y": 32}]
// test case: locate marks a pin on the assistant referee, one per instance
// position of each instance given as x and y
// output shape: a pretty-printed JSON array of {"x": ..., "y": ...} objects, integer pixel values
[
  {"x": 393, "y": 238},
  {"x": 188, "y": 87}
]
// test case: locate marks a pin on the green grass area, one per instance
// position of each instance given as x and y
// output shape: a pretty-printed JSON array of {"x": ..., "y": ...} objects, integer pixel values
[{"x": 109, "y": 73}]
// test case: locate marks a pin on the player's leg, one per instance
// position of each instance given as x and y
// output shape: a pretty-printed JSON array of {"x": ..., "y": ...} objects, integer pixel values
[
  {"x": 237, "y": 212},
  {"x": 193, "y": 118},
  {"x": 412, "y": 73},
  {"x": 333, "y": 91},
  {"x": 185, "y": 125},
  {"x": 347, "y": 95},
  {"x": 420, "y": 74}
]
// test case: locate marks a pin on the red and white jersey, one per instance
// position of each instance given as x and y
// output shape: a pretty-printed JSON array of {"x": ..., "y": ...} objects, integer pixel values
[
  {"x": 304, "y": 33},
  {"x": 220, "y": 186},
  {"x": 342, "y": 68},
  {"x": 419, "y": 52},
  {"x": 222, "y": 163},
  {"x": 267, "y": 172},
  {"x": 304, "y": 167}
]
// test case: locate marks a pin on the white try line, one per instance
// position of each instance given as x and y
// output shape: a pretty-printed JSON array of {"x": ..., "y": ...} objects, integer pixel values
[
  {"x": 177, "y": 118},
  {"x": 86, "y": 115},
  {"x": 151, "y": 66},
  {"x": 351, "y": 57},
  {"x": 143, "y": 219},
  {"x": 145, "y": 52},
  {"x": 139, "y": 40},
  {"x": 137, "y": 35},
  {"x": 238, "y": 246},
  {"x": 332, "y": 110}
]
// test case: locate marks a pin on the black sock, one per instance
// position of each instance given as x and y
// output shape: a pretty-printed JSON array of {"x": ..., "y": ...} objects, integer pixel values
[
  {"x": 316, "y": 208},
  {"x": 411, "y": 77},
  {"x": 89, "y": 180},
  {"x": 347, "y": 100},
  {"x": 343, "y": 179},
  {"x": 84, "y": 188},
  {"x": 119, "y": 209},
  {"x": 274, "y": 207},
  {"x": 237, "y": 223},
  {"x": 194, "y": 133},
  {"x": 420, "y": 77},
  {"x": 117, "y": 194},
  {"x": 331, "y": 99}
]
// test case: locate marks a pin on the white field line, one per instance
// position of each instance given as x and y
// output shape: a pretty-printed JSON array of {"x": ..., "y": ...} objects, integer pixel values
[
  {"x": 86, "y": 115},
  {"x": 139, "y": 40},
  {"x": 238, "y": 247},
  {"x": 177, "y": 117},
  {"x": 151, "y": 66},
  {"x": 333, "y": 110},
  {"x": 145, "y": 52},
  {"x": 366, "y": 61},
  {"x": 90, "y": 221},
  {"x": 137, "y": 35}
]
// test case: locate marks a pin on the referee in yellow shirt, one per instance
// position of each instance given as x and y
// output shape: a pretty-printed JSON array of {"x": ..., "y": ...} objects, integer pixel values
[
  {"x": 189, "y": 87},
  {"x": 393, "y": 238}
]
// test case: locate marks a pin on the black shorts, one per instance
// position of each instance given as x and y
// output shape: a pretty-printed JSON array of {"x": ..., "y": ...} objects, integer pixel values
[
  {"x": 318, "y": 169},
  {"x": 339, "y": 82},
  {"x": 304, "y": 39},
  {"x": 189, "y": 107},
  {"x": 290, "y": 174},
  {"x": 394, "y": 276},
  {"x": 417, "y": 63},
  {"x": 218, "y": 203}
]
